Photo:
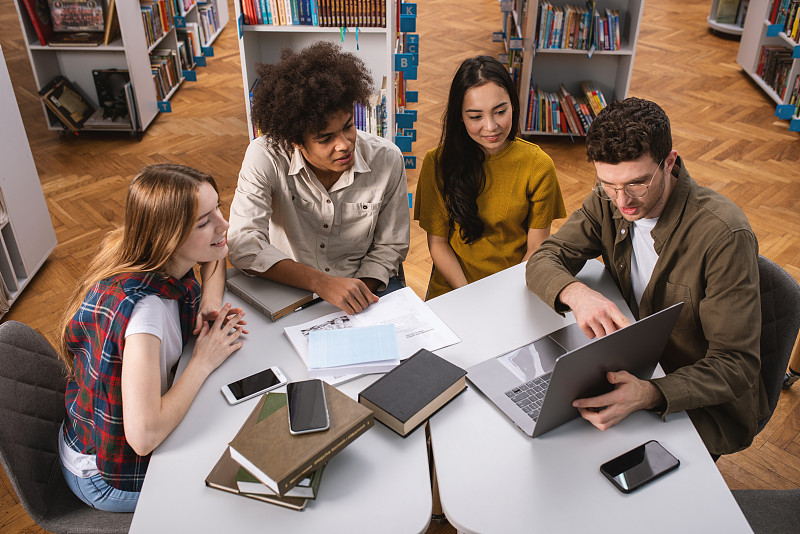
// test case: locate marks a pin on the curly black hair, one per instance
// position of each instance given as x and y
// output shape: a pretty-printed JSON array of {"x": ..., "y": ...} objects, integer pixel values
[
  {"x": 298, "y": 94},
  {"x": 628, "y": 129}
]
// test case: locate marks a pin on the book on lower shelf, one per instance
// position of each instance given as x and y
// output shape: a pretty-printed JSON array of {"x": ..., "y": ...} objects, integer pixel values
[
  {"x": 411, "y": 393},
  {"x": 281, "y": 460},
  {"x": 224, "y": 474},
  {"x": 562, "y": 111},
  {"x": 66, "y": 102},
  {"x": 113, "y": 111}
]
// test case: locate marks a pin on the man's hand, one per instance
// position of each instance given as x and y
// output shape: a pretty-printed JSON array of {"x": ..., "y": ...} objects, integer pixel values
[
  {"x": 350, "y": 295},
  {"x": 595, "y": 314},
  {"x": 630, "y": 394}
]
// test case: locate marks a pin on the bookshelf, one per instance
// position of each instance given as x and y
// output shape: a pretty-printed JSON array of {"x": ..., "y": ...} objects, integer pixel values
[
  {"x": 262, "y": 43},
  {"x": 128, "y": 50},
  {"x": 548, "y": 68},
  {"x": 26, "y": 232},
  {"x": 778, "y": 84},
  {"x": 727, "y": 16}
]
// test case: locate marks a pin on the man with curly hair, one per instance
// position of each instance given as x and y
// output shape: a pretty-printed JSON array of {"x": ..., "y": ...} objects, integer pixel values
[
  {"x": 319, "y": 204},
  {"x": 664, "y": 239}
]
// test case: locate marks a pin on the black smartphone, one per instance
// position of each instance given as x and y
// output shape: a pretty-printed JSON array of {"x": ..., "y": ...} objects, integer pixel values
[
  {"x": 308, "y": 411},
  {"x": 639, "y": 466},
  {"x": 255, "y": 384}
]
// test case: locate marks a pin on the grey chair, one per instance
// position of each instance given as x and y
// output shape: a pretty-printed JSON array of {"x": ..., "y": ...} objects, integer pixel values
[
  {"x": 32, "y": 384},
  {"x": 770, "y": 511},
  {"x": 780, "y": 322}
]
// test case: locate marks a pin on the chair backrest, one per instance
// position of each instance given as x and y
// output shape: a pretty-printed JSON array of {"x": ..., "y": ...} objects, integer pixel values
[
  {"x": 32, "y": 384},
  {"x": 780, "y": 322}
]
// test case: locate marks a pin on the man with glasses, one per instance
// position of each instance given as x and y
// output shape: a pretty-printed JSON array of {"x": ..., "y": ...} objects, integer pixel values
[{"x": 664, "y": 239}]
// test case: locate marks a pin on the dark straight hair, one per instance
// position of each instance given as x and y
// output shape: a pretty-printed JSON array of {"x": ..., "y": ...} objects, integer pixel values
[{"x": 460, "y": 161}]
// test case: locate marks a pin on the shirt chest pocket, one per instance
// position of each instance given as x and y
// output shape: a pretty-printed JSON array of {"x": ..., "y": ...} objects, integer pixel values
[{"x": 357, "y": 221}]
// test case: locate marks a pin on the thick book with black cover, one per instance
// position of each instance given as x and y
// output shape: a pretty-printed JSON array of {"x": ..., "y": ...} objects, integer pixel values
[
  {"x": 281, "y": 460},
  {"x": 409, "y": 394},
  {"x": 223, "y": 475},
  {"x": 66, "y": 103},
  {"x": 270, "y": 298}
]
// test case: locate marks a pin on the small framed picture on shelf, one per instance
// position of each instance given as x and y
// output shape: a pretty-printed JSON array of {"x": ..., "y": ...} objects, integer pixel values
[{"x": 77, "y": 15}]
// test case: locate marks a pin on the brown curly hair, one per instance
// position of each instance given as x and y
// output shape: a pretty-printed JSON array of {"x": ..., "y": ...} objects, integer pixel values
[{"x": 298, "y": 94}]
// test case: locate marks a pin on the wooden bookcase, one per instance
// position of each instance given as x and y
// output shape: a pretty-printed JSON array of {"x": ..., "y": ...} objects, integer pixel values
[
  {"x": 734, "y": 28},
  {"x": 547, "y": 68},
  {"x": 262, "y": 43},
  {"x": 758, "y": 32},
  {"x": 26, "y": 233},
  {"x": 128, "y": 51}
]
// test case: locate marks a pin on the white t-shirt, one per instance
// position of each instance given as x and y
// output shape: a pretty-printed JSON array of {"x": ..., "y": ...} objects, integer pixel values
[
  {"x": 151, "y": 315},
  {"x": 643, "y": 256}
]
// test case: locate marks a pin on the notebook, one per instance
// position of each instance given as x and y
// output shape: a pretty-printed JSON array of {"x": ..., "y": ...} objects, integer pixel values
[
  {"x": 273, "y": 299},
  {"x": 535, "y": 384}
]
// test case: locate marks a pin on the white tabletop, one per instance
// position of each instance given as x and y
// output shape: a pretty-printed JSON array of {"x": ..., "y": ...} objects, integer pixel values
[
  {"x": 494, "y": 478},
  {"x": 381, "y": 479}
]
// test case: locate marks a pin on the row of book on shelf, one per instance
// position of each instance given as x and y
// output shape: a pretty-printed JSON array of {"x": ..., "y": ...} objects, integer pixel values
[
  {"x": 577, "y": 27},
  {"x": 336, "y": 13},
  {"x": 786, "y": 13},
  {"x": 794, "y": 97},
  {"x": 72, "y": 22},
  {"x": 561, "y": 111},
  {"x": 158, "y": 17},
  {"x": 773, "y": 67},
  {"x": 265, "y": 461}
]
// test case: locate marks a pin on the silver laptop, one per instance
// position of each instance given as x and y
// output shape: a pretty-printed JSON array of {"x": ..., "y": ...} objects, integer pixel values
[{"x": 535, "y": 384}]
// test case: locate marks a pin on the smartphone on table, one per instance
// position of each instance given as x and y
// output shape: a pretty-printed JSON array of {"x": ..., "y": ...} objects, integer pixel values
[
  {"x": 308, "y": 411},
  {"x": 255, "y": 384},
  {"x": 639, "y": 466}
]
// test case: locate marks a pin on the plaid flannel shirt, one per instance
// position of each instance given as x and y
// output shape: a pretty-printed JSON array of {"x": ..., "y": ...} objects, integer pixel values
[{"x": 95, "y": 336}]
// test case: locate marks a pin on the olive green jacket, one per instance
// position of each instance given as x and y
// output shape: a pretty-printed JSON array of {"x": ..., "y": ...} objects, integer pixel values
[{"x": 708, "y": 259}]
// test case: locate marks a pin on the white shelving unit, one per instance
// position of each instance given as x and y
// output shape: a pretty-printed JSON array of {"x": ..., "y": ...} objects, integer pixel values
[
  {"x": 724, "y": 27},
  {"x": 376, "y": 46},
  {"x": 757, "y": 32},
  {"x": 128, "y": 51},
  {"x": 609, "y": 69},
  {"x": 26, "y": 232}
]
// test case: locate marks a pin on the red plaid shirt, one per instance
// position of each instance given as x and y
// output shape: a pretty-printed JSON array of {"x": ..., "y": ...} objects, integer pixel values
[{"x": 95, "y": 336}]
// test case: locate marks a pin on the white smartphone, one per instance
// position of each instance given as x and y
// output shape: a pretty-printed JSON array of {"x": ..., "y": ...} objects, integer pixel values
[
  {"x": 255, "y": 384},
  {"x": 308, "y": 411}
]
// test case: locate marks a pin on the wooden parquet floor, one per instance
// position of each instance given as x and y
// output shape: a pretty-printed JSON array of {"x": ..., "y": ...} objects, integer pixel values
[{"x": 723, "y": 126}]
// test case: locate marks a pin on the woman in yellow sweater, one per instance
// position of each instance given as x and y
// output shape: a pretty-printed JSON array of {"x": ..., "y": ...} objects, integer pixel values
[{"x": 485, "y": 197}]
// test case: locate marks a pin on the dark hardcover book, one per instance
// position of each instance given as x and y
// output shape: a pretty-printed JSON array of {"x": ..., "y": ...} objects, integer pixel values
[
  {"x": 273, "y": 299},
  {"x": 66, "y": 102},
  {"x": 412, "y": 392},
  {"x": 223, "y": 475},
  {"x": 77, "y": 16},
  {"x": 39, "y": 14},
  {"x": 110, "y": 87},
  {"x": 281, "y": 460},
  {"x": 77, "y": 39}
]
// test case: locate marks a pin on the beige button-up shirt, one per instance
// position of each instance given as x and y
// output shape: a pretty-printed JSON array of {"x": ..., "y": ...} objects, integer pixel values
[{"x": 360, "y": 228}]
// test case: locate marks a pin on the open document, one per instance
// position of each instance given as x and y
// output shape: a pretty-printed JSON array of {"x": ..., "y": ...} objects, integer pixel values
[{"x": 416, "y": 326}]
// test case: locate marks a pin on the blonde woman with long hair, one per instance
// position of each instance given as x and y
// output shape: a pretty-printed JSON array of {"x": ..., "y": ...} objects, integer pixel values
[{"x": 127, "y": 323}]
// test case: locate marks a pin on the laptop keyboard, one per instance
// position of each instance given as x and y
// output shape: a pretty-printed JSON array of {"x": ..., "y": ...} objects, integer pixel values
[{"x": 530, "y": 395}]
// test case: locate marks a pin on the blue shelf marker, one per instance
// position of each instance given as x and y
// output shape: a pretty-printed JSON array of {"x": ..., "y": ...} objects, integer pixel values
[
  {"x": 208, "y": 51},
  {"x": 515, "y": 43},
  {"x": 404, "y": 120},
  {"x": 412, "y": 96},
  {"x": 410, "y": 132},
  {"x": 199, "y": 61},
  {"x": 410, "y": 73},
  {"x": 794, "y": 126},
  {"x": 784, "y": 111},
  {"x": 180, "y": 22},
  {"x": 774, "y": 29},
  {"x": 405, "y": 62},
  {"x": 410, "y": 200},
  {"x": 408, "y": 23},
  {"x": 410, "y": 162},
  {"x": 403, "y": 142},
  {"x": 240, "y": 24},
  {"x": 497, "y": 37},
  {"x": 190, "y": 75},
  {"x": 796, "y": 52},
  {"x": 413, "y": 113},
  {"x": 408, "y": 9},
  {"x": 164, "y": 106}
]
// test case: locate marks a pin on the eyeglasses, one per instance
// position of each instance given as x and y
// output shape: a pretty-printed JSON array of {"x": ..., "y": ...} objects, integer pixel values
[{"x": 637, "y": 190}]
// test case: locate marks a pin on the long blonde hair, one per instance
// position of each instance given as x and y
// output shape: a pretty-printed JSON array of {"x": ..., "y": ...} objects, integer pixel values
[{"x": 160, "y": 213}]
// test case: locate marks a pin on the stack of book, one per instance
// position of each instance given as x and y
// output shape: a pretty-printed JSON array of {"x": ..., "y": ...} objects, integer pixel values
[
  {"x": 157, "y": 17},
  {"x": 265, "y": 462},
  {"x": 338, "y": 13},
  {"x": 562, "y": 112}
]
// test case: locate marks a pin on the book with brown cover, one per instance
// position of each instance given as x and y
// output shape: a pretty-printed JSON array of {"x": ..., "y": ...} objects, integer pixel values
[
  {"x": 412, "y": 392},
  {"x": 273, "y": 299},
  {"x": 66, "y": 102},
  {"x": 223, "y": 475},
  {"x": 280, "y": 460}
]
